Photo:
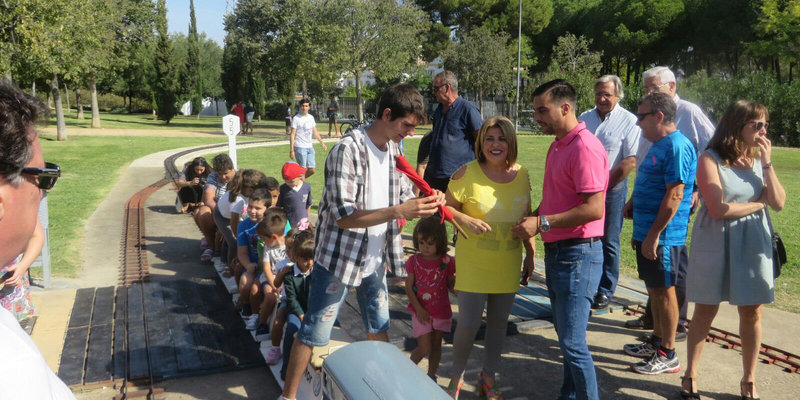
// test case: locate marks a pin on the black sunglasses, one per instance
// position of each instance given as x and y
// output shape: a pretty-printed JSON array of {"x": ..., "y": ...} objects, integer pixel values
[
  {"x": 644, "y": 115},
  {"x": 45, "y": 177},
  {"x": 758, "y": 125},
  {"x": 436, "y": 88}
]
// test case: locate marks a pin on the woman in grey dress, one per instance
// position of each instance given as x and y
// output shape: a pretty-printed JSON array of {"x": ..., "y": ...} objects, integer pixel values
[{"x": 731, "y": 253}]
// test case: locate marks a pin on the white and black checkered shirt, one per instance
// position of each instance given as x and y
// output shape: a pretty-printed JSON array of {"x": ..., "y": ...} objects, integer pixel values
[{"x": 343, "y": 251}]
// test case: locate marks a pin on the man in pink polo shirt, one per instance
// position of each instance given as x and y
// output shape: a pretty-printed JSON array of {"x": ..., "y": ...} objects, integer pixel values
[{"x": 570, "y": 220}]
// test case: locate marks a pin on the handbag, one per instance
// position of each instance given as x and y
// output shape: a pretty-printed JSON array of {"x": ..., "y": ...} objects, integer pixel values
[{"x": 778, "y": 250}]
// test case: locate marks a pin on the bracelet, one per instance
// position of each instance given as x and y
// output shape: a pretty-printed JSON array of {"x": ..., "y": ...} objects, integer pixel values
[{"x": 767, "y": 165}]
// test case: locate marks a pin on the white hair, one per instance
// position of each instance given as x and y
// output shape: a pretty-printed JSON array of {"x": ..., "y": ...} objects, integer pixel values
[
  {"x": 615, "y": 80},
  {"x": 663, "y": 73}
]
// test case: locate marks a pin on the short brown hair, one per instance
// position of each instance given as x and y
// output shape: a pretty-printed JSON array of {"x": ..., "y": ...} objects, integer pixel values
[
  {"x": 402, "y": 99},
  {"x": 727, "y": 140},
  {"x": 507, "y": 127},
  {"x": 274, "y": 223}
]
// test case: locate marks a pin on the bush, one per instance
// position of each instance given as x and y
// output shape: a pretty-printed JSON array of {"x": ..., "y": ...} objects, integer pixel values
[{"x": 275, "y": 110}]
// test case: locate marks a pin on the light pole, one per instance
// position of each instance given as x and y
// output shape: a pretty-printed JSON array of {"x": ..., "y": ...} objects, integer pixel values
[{"x": 519, "y": 58}]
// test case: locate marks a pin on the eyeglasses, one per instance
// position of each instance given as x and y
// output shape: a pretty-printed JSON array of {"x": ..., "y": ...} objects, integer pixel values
[
  {"x": 651, "y": 89},
  {"x": 759, "y": 125},
  {"x": 45, "y": 177},
  {"x": 642, "y": 116}
]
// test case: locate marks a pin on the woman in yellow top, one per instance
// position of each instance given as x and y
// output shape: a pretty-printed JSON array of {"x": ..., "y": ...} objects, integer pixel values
[{"x": 487, "y": 196}]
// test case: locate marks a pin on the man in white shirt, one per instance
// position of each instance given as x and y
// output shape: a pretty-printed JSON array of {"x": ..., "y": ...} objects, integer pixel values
[
  {"x": 617, "y": 130},
  {"x": 23, "y": 175},
  {"x": 301, "y": 145},
  {"x": 699, "y": 129}
]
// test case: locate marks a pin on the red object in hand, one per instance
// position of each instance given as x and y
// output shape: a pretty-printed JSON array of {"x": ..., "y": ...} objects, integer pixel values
[{"x": 402, "y": 165}]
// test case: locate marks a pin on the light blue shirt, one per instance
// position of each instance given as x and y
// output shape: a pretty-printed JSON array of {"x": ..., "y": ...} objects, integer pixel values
[
  {"x": 618, "y": 133},
  {"x": 692, "y": 122}
]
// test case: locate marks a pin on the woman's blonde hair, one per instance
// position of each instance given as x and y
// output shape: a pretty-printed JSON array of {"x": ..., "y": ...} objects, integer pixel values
[
  {"x": 509, "y": 132},
  {"x": 727, "y": 140}
]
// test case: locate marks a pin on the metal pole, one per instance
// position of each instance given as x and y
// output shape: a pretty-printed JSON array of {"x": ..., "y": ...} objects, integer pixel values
[{"x": 519, "y": 58}]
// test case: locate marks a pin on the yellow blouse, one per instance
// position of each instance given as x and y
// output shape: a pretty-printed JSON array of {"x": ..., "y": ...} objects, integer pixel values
[{"x": 491, "y": 262}]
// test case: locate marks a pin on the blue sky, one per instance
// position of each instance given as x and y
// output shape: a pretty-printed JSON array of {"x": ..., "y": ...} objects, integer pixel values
[{"x": 209, "y": 14}]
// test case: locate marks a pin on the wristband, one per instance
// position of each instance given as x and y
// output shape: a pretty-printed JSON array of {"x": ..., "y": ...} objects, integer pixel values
[{"x": 767, "y": 165}]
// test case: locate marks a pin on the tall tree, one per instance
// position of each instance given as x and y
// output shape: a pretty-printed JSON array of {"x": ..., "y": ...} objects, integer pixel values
[
  {"x": 367, "y": 29},
  {"x": 165, "y": 71},
  {"x": 193, "y": 81},
  {"x": 481, "y": 71}
]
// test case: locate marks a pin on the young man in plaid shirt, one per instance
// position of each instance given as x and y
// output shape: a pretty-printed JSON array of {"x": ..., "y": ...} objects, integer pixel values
[{"x": 357, "y": 230}]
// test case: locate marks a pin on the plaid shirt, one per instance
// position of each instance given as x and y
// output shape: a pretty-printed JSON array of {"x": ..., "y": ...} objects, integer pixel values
[{"x": 343, "y": 251}]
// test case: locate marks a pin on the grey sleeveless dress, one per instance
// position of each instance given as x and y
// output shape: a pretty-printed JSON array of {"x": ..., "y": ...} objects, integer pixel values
[{"x": 731, "y": 259}]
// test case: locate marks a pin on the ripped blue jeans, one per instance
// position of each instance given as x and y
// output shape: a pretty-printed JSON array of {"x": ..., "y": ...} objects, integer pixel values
[{"x": 326, "y": 295}]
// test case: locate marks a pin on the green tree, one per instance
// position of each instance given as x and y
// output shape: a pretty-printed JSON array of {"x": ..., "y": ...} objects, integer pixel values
[
  {"x": 779, "y": 29},
  {"x": 478, "y": 70},
  {"x": 193, "y": 81},
  {"x": 572, "y": 54},
  {"x": 367, "y": 30},
  {"x": 134, "y": 50},
  {"x": 165, "y": 71}
]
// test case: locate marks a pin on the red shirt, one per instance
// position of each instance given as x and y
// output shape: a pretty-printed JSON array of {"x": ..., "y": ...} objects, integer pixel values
[
  {"x": 430, "y": 282},
  {"x": 577, "y": 163}
]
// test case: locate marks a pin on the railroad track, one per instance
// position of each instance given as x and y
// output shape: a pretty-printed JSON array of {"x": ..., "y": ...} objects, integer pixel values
[{"x": 768, "y": 354}]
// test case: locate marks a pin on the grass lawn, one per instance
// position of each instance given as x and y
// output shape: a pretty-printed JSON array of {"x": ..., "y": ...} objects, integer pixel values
[
  {"x": 180, "y": 122},
  {"x": 90, "y": 167},
  {"x": 532, "y": 155}
]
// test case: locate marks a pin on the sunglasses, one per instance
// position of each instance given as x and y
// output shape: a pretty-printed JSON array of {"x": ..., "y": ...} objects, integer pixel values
[
  {"x": 644, "y": 115},
  {"x": 759, "y": 125},
  {"x": 45, "y": 177},
  {"x": 436, "y": 88}
]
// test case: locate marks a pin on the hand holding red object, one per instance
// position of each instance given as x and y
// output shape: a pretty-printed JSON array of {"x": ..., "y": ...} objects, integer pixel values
[{"x": 402, "y": 165}]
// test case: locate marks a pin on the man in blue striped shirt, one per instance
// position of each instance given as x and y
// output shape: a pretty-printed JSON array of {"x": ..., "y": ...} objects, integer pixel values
[{"x": 617, "y": 130}]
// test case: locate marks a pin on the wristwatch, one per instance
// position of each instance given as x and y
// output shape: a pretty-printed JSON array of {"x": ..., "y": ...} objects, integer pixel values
[{"x": 544, "y": 225}]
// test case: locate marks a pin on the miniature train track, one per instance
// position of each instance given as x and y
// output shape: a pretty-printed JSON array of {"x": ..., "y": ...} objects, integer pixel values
[
  {"x": 768, "y": 354},
  {"x": 134, "y": 267}
]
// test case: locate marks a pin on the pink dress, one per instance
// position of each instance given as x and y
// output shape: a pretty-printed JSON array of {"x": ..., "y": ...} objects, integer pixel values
[
  {"x": 430, "y": 284},
  {"x": 17, "y": 299}
]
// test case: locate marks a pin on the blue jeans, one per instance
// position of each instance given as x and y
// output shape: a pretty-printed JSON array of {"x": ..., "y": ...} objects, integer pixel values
[
  {"x": 615, "y": 201},
  {"x": 326, "y": 295},
  {"x": 292, "y": 326},
  {"x": 572, "y": 274}
]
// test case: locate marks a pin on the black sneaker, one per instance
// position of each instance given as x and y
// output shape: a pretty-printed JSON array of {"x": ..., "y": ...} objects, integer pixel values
[
  {"x": 643, "y": 350},
  {"x": 246, "y": 310},
  {"x": 640, "y": 323},
  {"x": 262, "y": 332},
  {"x": 658, "y": 364}
]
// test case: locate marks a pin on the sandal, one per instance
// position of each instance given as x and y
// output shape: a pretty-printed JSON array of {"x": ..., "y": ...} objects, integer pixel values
[
  {"x": 748, "y": 385},
  {"x": 689, "y": 394},
  {"x": 486, "y": 392},
  {"x": 454, "y": 390}
]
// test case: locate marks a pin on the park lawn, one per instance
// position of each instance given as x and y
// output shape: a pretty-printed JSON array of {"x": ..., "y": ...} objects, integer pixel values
[
  {"x": 90, "y": 167},
  {"x": 532, "y": 152},
  {"x": 180, "y": 122}
]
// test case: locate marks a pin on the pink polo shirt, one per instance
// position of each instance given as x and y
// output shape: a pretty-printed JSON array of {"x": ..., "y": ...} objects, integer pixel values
[{"x": 576, "y": 164}]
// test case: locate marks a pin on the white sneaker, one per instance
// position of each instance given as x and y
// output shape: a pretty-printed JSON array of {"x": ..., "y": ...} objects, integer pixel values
[
  {"x": 207, "y": 254},
  {"x": 251, "y": 322},
  {"x": 274, "y": 355}
]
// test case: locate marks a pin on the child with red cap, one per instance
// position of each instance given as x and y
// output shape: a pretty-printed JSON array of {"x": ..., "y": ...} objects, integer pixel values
[{"x": 295, "y": 195}]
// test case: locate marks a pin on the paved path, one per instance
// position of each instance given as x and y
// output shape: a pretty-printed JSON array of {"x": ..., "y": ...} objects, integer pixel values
[{"x": 531, "y": 362}]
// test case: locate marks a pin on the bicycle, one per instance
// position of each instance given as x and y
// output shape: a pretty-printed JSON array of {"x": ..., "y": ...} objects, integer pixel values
[{"x": 353, "y": 123}]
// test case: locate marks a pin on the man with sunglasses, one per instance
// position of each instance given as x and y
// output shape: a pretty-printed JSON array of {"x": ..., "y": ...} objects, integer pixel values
[
  {"x": 455, "y": 126},
  {"x": 660, "y": 206},
  {"x": 23, "y": 175},
  {"x": 698, "y": 128}
]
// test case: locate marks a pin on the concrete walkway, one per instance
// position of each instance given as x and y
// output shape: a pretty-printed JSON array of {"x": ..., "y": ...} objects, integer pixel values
[{"x": 531, "y": 367}]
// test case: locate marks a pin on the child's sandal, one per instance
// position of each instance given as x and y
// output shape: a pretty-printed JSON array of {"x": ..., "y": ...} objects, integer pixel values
[{"x": 454, "y": 390}]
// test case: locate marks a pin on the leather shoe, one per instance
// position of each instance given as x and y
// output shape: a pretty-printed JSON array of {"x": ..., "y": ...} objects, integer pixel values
[
  {"x": 640, "y": 323},
  {"x": 600, "y": 301}
]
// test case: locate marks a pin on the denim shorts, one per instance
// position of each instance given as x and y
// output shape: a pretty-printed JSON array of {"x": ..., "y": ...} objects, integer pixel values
[
  {"x": 305, "y": 157},
  {"x": 326, "y": 295}
]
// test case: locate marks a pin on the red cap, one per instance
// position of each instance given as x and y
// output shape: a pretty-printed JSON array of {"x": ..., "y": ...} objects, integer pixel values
[{"x": 292, "y": 170}]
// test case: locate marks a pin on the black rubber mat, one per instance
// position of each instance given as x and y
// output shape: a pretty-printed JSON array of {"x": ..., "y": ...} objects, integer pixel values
[{"x": 160, "y": 329}]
